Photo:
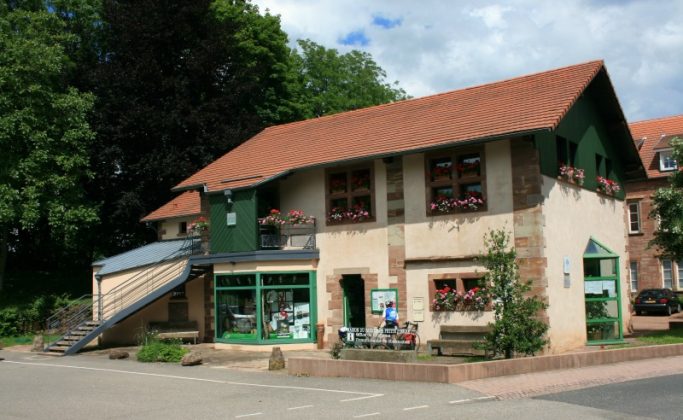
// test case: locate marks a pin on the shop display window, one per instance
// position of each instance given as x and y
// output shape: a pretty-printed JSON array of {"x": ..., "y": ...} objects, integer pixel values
[{"x": 265, "y": 307}]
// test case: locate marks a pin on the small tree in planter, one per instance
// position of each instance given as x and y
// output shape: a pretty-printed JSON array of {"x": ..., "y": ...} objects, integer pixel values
[{"x": 516, "y": 328}]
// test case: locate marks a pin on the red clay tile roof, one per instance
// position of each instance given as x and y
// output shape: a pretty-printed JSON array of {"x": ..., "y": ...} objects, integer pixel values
[
  {"x": 520, "y": 105},
  {"x": 186, "y": 204},
  {"x": 651, "y": 132}
]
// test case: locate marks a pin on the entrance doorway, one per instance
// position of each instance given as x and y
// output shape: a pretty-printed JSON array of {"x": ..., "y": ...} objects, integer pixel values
[{"x": 353, "y": 288}]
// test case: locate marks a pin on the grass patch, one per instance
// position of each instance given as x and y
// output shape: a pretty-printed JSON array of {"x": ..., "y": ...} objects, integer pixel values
[
  {"x": 24, "y": 340},
  {"x": 424, "y": 357},
  {"x": 662, "y": 337},
  {"x": 162, "y": 351}
]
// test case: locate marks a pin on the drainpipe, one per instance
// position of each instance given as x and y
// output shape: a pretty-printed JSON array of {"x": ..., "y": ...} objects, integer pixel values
[{"x": 99, "y": 296}]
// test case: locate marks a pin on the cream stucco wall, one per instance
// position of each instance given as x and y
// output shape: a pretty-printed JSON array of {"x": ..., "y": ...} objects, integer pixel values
[
  {"x": 572, "y": 215},
  {"x": 363, "y": 248},
  {"x": 350, "y": 248},
  {"x": 130, "y": 330},
  {"x": 461, "y": 234},
  {"x": 170, "y": 228}
]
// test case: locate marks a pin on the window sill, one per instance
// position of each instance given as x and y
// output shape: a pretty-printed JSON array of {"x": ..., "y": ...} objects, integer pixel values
[
  {"x": 454, "y": 212},
  {"x": 349, "y": 222},
  {"x": 636, "y": 234}
]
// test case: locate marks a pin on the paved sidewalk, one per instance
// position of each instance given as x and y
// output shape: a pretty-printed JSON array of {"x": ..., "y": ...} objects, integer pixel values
[{"x": 533, "y": 384}]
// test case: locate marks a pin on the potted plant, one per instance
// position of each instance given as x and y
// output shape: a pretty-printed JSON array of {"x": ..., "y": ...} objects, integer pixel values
[
  {"x": 199, "y": 225},
  {"x": 476, "y": 299},
  {"x": 445, "y": 299},
  {"x": 571, "y": 174},
  {"x": 607, "y": 186}
]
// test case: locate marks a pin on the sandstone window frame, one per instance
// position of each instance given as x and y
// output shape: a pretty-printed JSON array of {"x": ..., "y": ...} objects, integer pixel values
[
  {"x": 457, "y": 182},
  {"x": 351, "y": 195}
]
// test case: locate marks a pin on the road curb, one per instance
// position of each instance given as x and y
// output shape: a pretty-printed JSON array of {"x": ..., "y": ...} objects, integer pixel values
[{"x": 425, "y": 372}]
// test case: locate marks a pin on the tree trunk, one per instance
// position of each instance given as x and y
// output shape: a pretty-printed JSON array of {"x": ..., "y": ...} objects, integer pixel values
[{"x": 3, "y": 255}]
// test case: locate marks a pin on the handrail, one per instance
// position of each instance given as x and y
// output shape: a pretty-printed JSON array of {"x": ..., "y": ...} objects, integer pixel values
[
  {"x": 126, "y": 293},
  {"x": 50, "y": 320}
]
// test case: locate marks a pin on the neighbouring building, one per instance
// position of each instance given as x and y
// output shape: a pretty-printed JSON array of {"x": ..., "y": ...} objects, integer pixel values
[
  {"x": 402, "y": 195},
  {"x": 653, "y": 139}
]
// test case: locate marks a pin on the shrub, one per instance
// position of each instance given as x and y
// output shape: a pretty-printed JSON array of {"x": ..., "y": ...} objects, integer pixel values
[
  {"x": 28, "y": 317},
  {"x": 9, "y": 321},
  {"x": 161, "y": 351},
  {"x": 336, "y": 349},
  {"x": 516, "y": 329}
]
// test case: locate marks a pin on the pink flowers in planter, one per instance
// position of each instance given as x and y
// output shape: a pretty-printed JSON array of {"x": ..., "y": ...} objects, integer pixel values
[
  {"x": 448, "y": 299},
  {"x": 607, "y": 186},
  {"x": 357, "y": 213},
  {"x": 471, "y": 201},
  {"x": 293, "y": 217},
  {"x": 199, "y": 225},
  {"x": 572, "y": 174}
]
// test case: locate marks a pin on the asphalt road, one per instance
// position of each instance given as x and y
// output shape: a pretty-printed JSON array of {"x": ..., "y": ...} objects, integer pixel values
[
  {"x": 83, "y": 387},
  {"x": 660, "y": 398}
]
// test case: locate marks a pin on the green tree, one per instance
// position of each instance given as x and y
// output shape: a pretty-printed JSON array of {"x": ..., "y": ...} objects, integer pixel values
[
  {"x": 329, "y": 82},
  {"x": 179, "y": 84},
  {"x": 44, "y": 135},
  {"x": 668, "y": 210},
  {"x": 516, "y": 329}
]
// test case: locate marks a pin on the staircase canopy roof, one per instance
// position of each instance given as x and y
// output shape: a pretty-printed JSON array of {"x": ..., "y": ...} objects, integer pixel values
[{"x": 146, "y": 255}]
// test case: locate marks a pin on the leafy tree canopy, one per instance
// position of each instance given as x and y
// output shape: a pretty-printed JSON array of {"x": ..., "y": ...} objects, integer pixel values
[
  {"x": 329, "y": 82},
  {"x": 668, "y": 210},
  {"x": 44, "y": 134},
  {"x": 181, "y": 84}
]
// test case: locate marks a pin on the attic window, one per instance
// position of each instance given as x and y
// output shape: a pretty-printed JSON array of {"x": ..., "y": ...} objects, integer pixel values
[{"x": 666, "y": 161}]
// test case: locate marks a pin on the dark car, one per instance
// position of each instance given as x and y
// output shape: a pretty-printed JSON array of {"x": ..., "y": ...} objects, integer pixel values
[{"x": 657, "y": 300}]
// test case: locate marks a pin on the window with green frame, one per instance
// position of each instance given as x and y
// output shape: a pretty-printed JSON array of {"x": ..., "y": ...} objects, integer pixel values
[{"x": 265, "y": 307}]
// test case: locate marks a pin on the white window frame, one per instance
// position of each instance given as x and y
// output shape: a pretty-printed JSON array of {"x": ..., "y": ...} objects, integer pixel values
[
  {"x": 666, "y": 161},
  {"x": 668, "y": 270},
  {"x": 634, "y": 210},
  {"x": 634, "y": 276},
  {"x": 680, "y": 274}
]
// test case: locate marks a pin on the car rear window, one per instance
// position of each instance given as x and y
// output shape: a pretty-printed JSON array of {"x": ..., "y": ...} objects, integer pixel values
[{"x": 652, "y": 294}]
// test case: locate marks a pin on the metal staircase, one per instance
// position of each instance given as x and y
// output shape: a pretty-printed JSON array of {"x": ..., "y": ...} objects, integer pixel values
[{"x": 87, "y": 318}]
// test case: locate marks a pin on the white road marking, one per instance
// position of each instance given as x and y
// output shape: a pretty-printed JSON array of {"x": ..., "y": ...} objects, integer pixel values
[
  {"x": 415, "y": 408},
  {"x": 366, "y": 415},
  {"x": 300, "y": 407},
  {"x": 363, "y": 398},
  {"x": 470, "y": 400},
  {"x": 248, "y": 415},
  {"x": 215, "y": 381}
]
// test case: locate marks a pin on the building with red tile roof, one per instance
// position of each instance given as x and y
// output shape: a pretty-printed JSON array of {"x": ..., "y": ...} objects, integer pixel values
[
  {"x": 317, "y": 224},
  {"x": 653, "y": 139}
]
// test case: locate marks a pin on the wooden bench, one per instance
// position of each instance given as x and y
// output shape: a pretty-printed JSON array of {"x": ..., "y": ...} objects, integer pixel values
[
  {"x": 183, "y": 330},
  {"x": 457, "y": 340}
]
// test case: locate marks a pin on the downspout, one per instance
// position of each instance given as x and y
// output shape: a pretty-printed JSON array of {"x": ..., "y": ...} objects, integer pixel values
[{"x": 99, "y": 296}]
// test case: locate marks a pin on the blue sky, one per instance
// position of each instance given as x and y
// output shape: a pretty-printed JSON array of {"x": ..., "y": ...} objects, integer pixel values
[{"x": 436, "y": 46}]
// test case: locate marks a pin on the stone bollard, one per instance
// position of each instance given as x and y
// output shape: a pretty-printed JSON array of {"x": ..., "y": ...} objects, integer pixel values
[
  {"x": 277, "y": 359},
  {"x": 38, "y": 344},
  {"x": 320, "y": 329}
]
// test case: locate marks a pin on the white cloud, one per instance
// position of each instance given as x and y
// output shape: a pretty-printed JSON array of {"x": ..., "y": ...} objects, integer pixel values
[{"x": 441, "y": 46}]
